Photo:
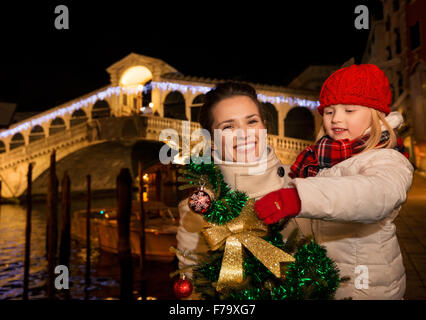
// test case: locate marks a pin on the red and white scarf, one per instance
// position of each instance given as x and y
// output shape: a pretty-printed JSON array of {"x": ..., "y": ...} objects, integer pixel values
[{"x": 328, "y": 152}]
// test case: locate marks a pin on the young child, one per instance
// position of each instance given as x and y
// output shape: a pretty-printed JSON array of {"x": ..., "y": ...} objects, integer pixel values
[{"x": 352, "y": 184}]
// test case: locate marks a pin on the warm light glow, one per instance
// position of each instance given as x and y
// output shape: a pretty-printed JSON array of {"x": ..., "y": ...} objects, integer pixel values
[
  {"x": 135, "y": 77},
  {"x": 145, "y": 110},
  {"x": 148, "y": 298},
  {"x": 151, "y": 104},
  {"x": 407, "y": 142},
  {"x": 145, "y": 197},
  {"x": 145, "y": 177}
]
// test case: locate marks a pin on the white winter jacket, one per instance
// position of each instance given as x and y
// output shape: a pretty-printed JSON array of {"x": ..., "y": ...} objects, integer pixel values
[{"x": 352, "y": 206}]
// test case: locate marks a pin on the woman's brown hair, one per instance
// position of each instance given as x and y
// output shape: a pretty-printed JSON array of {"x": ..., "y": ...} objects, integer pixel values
[{"x": 223, "y": 91}]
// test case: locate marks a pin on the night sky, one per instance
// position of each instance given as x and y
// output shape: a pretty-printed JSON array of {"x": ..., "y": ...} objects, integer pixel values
[{"x": 256, "y": 41}]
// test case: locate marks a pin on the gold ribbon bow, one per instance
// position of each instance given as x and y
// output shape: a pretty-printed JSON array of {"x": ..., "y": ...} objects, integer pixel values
[{"x": 245, "y": 230}]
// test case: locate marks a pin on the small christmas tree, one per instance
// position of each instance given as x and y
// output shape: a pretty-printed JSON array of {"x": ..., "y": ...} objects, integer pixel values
[{"x": 247, "y": 259}]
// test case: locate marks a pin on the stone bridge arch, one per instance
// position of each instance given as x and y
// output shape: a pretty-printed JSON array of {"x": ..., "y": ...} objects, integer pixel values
[
  {"x": 299, "y": 123},
  {"x": 57, "y": 125},
  {"x": 17, "y": 141},
  {"x": 77, "y": 117},
  {"x": 103, "y": 161},
  {"x": 100, "y": 109},
  {"x": 37, "y": 133},
  {"x": 271, "y": 117},
  {"x": 175, "y": 105}
]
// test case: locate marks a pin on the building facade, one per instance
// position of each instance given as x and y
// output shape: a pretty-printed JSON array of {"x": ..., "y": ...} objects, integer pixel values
[{"x": 397, "y": 44}]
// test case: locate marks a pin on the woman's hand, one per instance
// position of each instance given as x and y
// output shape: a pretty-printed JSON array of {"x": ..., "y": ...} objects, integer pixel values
[{"x": 278, "y": 205}]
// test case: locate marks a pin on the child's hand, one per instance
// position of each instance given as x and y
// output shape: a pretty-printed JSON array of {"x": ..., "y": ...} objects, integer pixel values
[{"x": 278, "y": 205}]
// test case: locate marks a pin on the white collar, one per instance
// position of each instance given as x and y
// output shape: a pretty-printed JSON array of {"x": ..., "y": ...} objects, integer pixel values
[{"x": 231, "y": 169}]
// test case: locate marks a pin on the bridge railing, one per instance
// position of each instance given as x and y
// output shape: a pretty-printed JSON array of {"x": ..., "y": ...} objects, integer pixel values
[
  {"x": 75, "y": 133},
  {"x": 277, "y": 142},
  {"x": 288, "y": 144},
  {"x": 164, "y": 123}
]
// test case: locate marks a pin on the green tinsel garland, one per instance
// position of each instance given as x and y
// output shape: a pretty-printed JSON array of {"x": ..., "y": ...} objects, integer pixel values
[
  {"x": 227, "y": 204},
  {"x": 228, "y": 208},
  {"x": 312, "y": 276}
]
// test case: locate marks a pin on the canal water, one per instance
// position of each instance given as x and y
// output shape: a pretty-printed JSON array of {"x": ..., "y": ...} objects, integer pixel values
[{"x": 105, "y": 271}]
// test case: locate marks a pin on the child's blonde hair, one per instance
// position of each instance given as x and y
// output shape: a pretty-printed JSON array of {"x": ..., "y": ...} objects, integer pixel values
[{"x": 375, "y": 132}]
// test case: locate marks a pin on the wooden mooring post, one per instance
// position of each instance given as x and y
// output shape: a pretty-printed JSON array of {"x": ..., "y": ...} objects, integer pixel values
[
  {"x": 28, "y": 232},
  {"x": 52, "y": 226},
  {"x": 65, "y": 244},
  {"x": 142, "y": 260},
  {"x": 124, "y": 202},
  {"x": 88, "y": 233}
]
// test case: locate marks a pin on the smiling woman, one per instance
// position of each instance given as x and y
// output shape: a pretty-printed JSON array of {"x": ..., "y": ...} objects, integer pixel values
[
  {"x": 240, "y": 125},
  {"x": 228, "y": 108},
  {"x": 235, "y": 116}
]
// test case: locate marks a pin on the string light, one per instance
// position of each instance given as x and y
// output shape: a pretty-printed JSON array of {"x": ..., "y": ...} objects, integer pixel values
[
  {"x": 167, "y": 86},
  {"x": 163, "y": 86},
  {"x": 61, "y": 112},
  {"x": 292, "y": 101}
]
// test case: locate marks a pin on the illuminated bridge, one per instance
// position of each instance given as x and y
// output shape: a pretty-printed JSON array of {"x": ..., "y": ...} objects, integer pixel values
[{"x": 115, "y": 126}]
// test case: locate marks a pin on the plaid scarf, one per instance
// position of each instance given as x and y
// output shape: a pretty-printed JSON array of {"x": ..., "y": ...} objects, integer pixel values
[{"x": 328, "y": 152}]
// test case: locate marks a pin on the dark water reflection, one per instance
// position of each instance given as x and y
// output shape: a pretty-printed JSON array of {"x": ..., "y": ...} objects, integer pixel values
[{"x": 105, "y": 272}]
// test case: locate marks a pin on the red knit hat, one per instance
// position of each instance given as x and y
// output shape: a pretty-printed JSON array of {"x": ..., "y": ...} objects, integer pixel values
[{"x": 363, "y": 84}]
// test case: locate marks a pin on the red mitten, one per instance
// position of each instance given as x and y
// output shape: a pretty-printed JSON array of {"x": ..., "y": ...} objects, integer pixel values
[{"x": 278, "y": 205}]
